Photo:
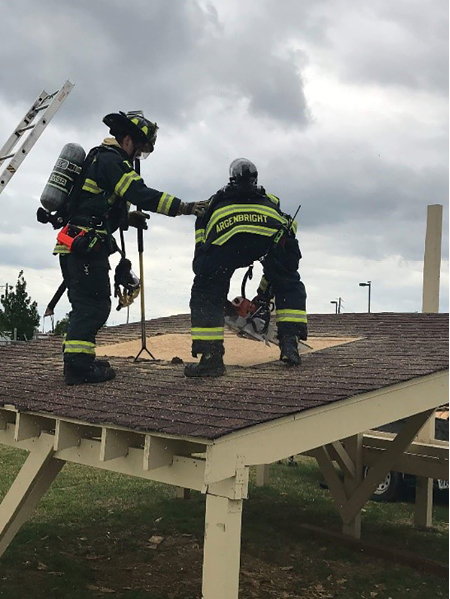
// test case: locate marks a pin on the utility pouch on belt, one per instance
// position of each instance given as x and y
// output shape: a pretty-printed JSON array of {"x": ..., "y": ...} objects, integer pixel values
[
  {"x": 79, "y": 241},
  {"x": 68, "y": 234}
]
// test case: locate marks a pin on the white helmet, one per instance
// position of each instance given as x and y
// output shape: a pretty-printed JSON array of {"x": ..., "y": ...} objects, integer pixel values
[{"x": 243, "y": 171}]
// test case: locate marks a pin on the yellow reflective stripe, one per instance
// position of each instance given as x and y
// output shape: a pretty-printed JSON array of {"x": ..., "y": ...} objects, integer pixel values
[
  {"x": 61, "y": 249},
  {"x": 244, "y": 229},
  {"x": 273, "y": 198},
  {"x": 125, "y": 181},
  {"x": 79, "y": 347},
  {"x": 291, "y": 316},
  {"x": 164, "y": 204},
  {"x": 90, "y": 229},
  {"x": 200, "y": 236},
  {"x": 91, "y": 186},
  {"x": 207, "y": 334},
  {"x": 239, "y": 209},
  {"x": 144, "y": 128}
]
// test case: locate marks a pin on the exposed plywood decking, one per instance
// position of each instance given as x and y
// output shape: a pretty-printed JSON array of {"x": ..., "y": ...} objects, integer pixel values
[{"x": 238, "y": 351}]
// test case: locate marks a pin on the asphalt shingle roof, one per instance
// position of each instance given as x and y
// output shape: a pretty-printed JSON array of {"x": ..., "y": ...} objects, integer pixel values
[{"x": 396, "y": 347}]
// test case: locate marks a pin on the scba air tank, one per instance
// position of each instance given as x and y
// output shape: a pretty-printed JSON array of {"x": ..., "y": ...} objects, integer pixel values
[{"x": 63, "y": 176}]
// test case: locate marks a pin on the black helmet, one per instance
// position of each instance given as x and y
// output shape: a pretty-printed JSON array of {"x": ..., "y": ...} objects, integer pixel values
[
  {"x": 243, "y": 171},
  {"x": 134, "y": 124}
]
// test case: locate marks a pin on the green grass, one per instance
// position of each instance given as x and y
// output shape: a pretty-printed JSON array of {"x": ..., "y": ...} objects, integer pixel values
[{"x": 89, "y": 538}]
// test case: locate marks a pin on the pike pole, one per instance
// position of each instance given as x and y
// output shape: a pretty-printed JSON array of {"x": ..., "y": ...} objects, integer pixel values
[{"x": 140, "y": 241}]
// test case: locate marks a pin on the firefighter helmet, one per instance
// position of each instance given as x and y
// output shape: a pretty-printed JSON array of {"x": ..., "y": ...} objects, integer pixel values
[
  {"x": 243, "y": 171},
  {"x": 134, "y": 124}
]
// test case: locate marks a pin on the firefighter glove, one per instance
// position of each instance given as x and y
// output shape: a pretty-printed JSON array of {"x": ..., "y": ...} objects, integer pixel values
[
  {"x": 195, "y": 208},
  {"x": 138, "y": 219}
]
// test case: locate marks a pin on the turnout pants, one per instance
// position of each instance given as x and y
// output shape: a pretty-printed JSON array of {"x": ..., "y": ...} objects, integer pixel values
[
  {"x": 215, "y": 265},
  {"x": 89, "y": 292}
]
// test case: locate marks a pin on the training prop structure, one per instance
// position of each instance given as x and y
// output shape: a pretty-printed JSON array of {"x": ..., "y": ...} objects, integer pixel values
[{"x": 153, "y": 423}]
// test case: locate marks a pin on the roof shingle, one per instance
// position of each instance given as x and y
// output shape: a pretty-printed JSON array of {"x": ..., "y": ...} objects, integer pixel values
[{"x": 157, "y": 397}]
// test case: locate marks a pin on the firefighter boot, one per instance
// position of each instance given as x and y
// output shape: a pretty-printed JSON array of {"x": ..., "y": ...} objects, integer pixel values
[
  {"x": 289, "y": 350},
  {"x": 94, "y": 373},
  {"x": 97, "y": 362},
  {"x": 209, "y": 365},
  {"x": 102, "y": 363}
]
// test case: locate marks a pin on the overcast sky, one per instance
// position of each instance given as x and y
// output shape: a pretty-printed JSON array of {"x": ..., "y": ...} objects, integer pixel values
[{"x": 342, "y": 105}]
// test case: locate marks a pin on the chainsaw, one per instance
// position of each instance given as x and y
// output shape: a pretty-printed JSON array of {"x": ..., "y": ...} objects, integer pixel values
[{"x": 251, "y": 318}]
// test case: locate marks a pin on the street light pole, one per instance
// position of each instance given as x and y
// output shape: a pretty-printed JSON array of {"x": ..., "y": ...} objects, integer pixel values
[
  {"x": 369, "y": 285},
  {"x": 337, "y": 304}
]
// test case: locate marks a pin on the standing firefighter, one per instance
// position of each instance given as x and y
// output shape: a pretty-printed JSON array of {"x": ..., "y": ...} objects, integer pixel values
[
  {"x": 108, "y": 184},
  {"x": 242, "y": 224}
]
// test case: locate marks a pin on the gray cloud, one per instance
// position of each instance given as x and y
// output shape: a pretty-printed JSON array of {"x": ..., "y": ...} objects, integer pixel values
[
  {"x": 341, "y": 105},
  {"x": 166, "y": 58}
]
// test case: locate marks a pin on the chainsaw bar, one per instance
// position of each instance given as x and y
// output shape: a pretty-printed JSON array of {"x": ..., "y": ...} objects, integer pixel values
[
  {"x": 249, "y": 329},
  {"x": 243, "y": 328}
]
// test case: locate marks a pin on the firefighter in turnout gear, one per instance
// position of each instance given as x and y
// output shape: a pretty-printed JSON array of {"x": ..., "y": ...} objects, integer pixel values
[
  {"x": 242, "y": 224},
  {"x": 107, "y": 187}
]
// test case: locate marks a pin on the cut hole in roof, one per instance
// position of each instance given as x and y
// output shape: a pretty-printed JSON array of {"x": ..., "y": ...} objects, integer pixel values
[{"x": 238, "y": 351}]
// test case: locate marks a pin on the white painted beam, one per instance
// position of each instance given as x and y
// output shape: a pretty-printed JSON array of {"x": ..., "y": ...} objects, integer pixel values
[
  {"x": 33, "y": 480},
  {"x": 27, "y": 427},
  {"x": 114, "y": 444},
  {"x": 276, "y": 440},
  {"x": 67, "y": 435},
  {"x": 222, "y": 548}
]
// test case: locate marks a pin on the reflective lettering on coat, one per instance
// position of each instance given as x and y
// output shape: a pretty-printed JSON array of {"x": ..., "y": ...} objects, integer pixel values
[{"x": 240, "y": 218}]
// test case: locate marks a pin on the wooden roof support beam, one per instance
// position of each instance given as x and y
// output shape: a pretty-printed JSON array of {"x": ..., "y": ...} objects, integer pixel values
[
  {"x": 343, "y": 459},
  {"x": 114, "y": 444},
  {"x": 67, "y": 435},
  {"x": 222, "y": 544},
  {"x": 363, "y": 493},
  {"x": 33, "y": 480},
  {"x": 27, "y": 427},
  {"x": 266, "y": 443},
  {"x": 332, "y": 479},
  {"x": 158, "y": 452},
  {"x": 352, "y": 481},
  {"x": 222, "y": 548}
]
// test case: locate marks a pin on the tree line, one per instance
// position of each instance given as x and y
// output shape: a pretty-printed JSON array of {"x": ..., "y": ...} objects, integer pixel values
[{"x": 19, "y": 315}]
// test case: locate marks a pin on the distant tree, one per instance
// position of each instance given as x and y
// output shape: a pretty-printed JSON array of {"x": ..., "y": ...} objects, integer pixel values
[
  {"x": 18, "y": 311},
  {"x": 60, "y": 327}
]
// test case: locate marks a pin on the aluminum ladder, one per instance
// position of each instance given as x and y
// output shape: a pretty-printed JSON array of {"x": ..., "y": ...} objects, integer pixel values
[{"x": 46, "y": 105}]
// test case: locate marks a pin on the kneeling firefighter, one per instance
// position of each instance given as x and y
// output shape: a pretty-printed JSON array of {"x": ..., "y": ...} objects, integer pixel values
[
  {"x": 242, "y": 224},
  {"x": 98, "y": 205}
]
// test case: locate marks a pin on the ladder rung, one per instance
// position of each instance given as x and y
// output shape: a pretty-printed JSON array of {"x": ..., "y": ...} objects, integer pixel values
[
  {"x": 42, "y": 107},
  {"x": 20, "y": 131},
  {"x": 50, "y": 103}
]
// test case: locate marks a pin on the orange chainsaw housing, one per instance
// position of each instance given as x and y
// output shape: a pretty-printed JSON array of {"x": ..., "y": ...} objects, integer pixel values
[{"x": 244, "y": 306}]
